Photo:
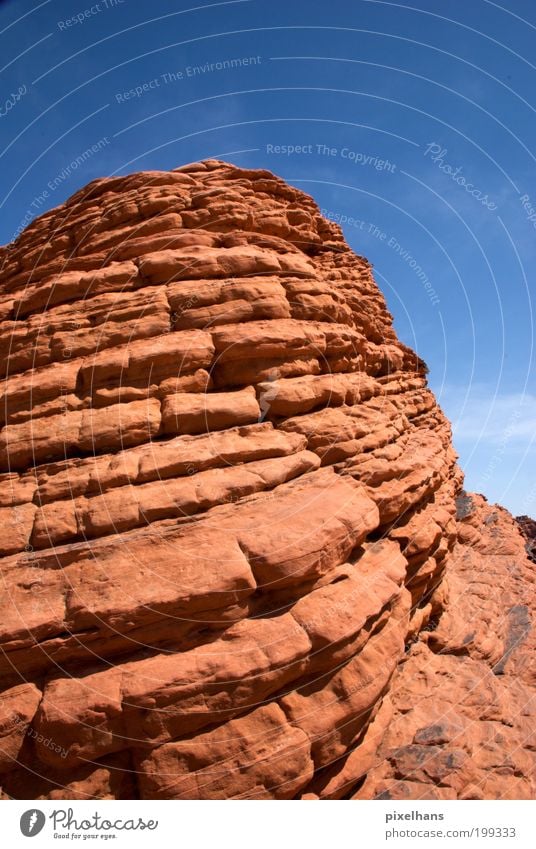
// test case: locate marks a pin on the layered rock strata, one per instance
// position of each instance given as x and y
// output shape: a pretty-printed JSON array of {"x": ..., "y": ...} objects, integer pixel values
[{"x": 228, "y": 505}]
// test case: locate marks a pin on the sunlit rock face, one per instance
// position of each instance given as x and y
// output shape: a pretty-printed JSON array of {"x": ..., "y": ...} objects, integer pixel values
[{"x": 236, "y": 558}]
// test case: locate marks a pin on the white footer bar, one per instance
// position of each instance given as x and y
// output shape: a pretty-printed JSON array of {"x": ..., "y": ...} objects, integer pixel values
[{"x": 270, "y": 825}]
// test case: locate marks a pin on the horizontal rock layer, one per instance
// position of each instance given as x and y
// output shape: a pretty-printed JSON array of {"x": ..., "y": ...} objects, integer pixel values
[{"x": 227, "y": 509}]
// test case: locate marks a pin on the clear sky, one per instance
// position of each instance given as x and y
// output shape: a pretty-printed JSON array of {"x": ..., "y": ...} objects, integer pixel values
[{"x": 413, "y": 123}]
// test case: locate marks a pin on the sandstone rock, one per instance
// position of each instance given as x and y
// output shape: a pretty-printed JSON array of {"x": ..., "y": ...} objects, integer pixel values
[
  {"x": 191, "y": 413},
  {"x": 458, "y": 732},
  {"x": 259, "y": 756},
  {"x": 236, "y": 555},
  {"x": 72, "y": 286},
  {"x": 17, "y": 710},
  {"x": 112, "y": 778}
]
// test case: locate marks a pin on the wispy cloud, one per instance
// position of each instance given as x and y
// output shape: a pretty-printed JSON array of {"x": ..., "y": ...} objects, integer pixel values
[
  {"x": 495, "y": 436},
  {"x": 480, "y": 415}
]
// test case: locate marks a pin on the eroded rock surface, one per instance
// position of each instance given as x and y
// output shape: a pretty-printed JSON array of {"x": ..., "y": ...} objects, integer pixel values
[
  {"x": 463, "y": 706},
  {"x": 236, "y": 558}
]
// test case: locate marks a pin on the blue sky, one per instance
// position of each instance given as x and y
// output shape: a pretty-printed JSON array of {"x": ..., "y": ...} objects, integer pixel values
[{"x": 415, "y": 123}]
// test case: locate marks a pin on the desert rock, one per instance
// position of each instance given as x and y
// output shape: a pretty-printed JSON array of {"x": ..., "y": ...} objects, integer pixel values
[{"x": 236, "y": 554}]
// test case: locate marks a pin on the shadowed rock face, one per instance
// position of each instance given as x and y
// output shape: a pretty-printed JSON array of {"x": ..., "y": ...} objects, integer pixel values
[
  {"x": 528, "y": 529},
  {"x": 236, "y": 557}
]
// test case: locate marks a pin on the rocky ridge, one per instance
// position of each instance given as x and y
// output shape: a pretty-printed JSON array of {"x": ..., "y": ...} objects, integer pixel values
[{"x": 236, "y": 555}]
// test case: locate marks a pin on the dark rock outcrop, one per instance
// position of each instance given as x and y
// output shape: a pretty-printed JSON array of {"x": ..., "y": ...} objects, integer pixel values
[{"x": 528, "y": 529}]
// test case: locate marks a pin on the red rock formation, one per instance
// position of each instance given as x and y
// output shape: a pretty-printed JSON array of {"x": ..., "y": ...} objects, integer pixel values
[
  {"x": 228, "y": 506},
  {"x": 463, "y": 707}
]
